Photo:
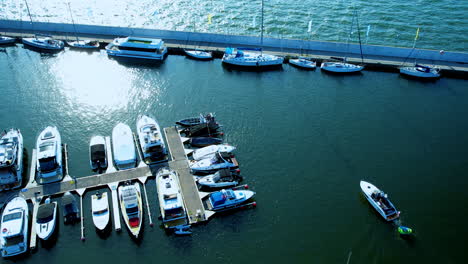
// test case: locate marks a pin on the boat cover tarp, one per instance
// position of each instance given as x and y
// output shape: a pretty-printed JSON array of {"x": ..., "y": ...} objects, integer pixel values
[
  {"x": 253, "y": 49},
  {"x": 205, "y": 141},
  {"x": 68, "y": 199},
  {"x": 218, "y": 198},
  {"x": 45, "y": 210},
  {"x": 98, "y": 152}
]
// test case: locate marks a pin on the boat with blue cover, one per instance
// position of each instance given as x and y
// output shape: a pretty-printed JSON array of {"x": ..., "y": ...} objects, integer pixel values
[
  {"x": 204, "y": 141},
  {"x": 379, "y": 200},
  {"x": 193, "y": 121},
  {"x": 210, "y": 165},
  {"x": 227, "y": 199}
]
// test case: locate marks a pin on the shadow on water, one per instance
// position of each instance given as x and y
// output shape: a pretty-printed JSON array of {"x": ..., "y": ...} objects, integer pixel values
[
  {"x": 42, "y": 52},
  {"x": 139, "y": 62},
  {"x": 230, "y": 68},
  {"x": 416, "y": 79},
  {"x": 25, "y": 177}
]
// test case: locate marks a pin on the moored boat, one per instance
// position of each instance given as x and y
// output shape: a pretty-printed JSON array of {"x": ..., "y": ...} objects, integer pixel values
[
  {"x": 84, "y": 44},
  {"x": 100, "y": 210},
  {"x": 97, "y": 153},
  {"x": 210, "y": 165},
  {"x": 11, "y": 160},
  {"x": 341, "y": 67},
  {"x": 123, "y": 147},
  {"x": 227, "y": 199},
  {"x": 47, "y": 44},
  {"x": 71, "y": 213},
  {"x": 250, "y": 58},
  {"x": 421, "y": 72},
  {"x": 210, "y": 151},
  {"x": 49, "y": 156},
  {"x": 131, "y": 207},
  {"x": 193, "y": 121},
  {"x": 151, "y": 140},
  {"x": 198, "y": 54},
  {"x": 141, "y": 48},
  {"x": 303, "y": 63},
  {"x": 14, "y": 227},
  {"x": 379, "y": 200},
  {"x": 204, "y": 141},
  {"x": 4, "y": 40},
  {"x": 170, "y": 199},
  {"x": 221, "y": 179},
  {"x": 46, "y": 219}
]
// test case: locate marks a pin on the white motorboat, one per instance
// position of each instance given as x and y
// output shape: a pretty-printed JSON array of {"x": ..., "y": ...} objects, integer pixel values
[
  {"x": 11, "y": 160},
  {"x": 84, "y": 44},
  {"x": 210, "y": 151},
  {"x": 219, "y": 161},
  {"x": 250, "y": 58},
  {"x": 71, "y": 213},
  {"x": 227, "y": 199},
  {"x": 100, "y": 209},
  {"x": 151, "y": 140},
  {"x": 379, "y": 200},
  {"x": 123, "y": 147},
  {"x": 341, "y": 67},
  {"x": 198, "y": 54},
  {"x": 131, "y": 207},
  {"x": 6, "y": 40},
  {"x": 14, "y": 227},
  {"x": 133, "y": 47},
  {"x": 44, "y": 43},
  {"x": 170, "y": 199},
  {"x": 49, "y": 156},
  {"x": 46, "y": 219},
  {"x": 421, "y": 71},
  {"x": 98, "y": 153},
  {"x": 221, "y": 179},
  {"x": 303, "y": 63}
]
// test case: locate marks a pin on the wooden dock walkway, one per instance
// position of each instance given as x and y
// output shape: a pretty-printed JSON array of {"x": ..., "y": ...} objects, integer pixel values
[{"x": 179, "y": 163}]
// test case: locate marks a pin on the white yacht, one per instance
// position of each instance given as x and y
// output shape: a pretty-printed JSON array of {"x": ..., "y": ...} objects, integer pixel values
[
  {"x": 123, "y": 147},
  {"x": 46, "y": 219},
  {"x": 11, "y": 160},
  {"x": 151, "y": 140},
  {"x": 250, "y": 58},
  {"x": 97, "y": 153},
  {"x": 210, "y": 151},
  {"x": 44, "y": 43},
  {"x": 340, "y": 67},
  {"x": 198, "y": 54},
  {"x": 131, "y": 207},
  {"x": 6, "y": 40},
  {"x": 421, "y": 71},
  {"x": 379, "y": 200},
  {"x": 49, "y": 156},
  {"x": 133, "y": 47},
  {"x": 84, "y": 44},
  {"x": 170, "y": 198},
  {"x": 14, "y": 227},
  {"x": 303, "y": 63},
  {"x": 100, "y": 209}
]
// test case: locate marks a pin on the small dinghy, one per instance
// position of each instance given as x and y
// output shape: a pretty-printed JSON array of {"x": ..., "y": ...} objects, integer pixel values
[
  {"x": 6, "y": 40},
  {"x": 340, "y": 67},
  {"x": 123, "y": 147},
  {"x": 151, "y": 140},
  {"x": 227, "y": 199},
  {"x": 44, "y": 43},
  {"x": 211, "y": 165},
  {"x": 379, "y": 200},
  {"x": 221, "y": 179},
  {"x": 131, "y": 207},
  {"x": 170, "y": 198},
  {"x": 14, "y": 227},
  {"x": 46, "y": 219},
  {"x": 204, "y": 141},
  {"x": 97, "y": 153},
  {"x": 71, "y": 213},
  {"x": 49, "y": 156},
  {"x": 303, "y": 63},
  {"x": 84, "y": 44},
  {"x": 210, "y": 151},
  {"x": 100, "y": 209},
  {"x": 421, "y": 72},
  {"x": 193, "y": 121},
  {"x": 198, "y": 54}
]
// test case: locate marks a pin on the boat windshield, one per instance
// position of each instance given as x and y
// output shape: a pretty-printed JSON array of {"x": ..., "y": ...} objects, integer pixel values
[
  {"x": 101, "y": 212},
  {"x": 47, "y": 146},
  {"x": 45, "y": 219},
  {"x": 173, "y": 213},
  {"x": 155, "y": 149},
  {"x": 47, "y": 164},
  {"x": 13, "y": 241},
  {"x": 12, "y": 216}
]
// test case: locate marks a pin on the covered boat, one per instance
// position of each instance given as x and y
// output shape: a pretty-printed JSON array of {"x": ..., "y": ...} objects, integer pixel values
[
  {"x": 6, "y": 40},
  {"x": 123, "y": 147},
  {"x": 210, "y": 151},
  {"x": 250, "y": 58},
  {"x": 170, "y": 199},
  {"x": 84, "y": 44},
  {"x": 14, "y": 227},
  {"x": 204, "y": 141},
  {"x": 219, "y": 161},
  {"x": 47, "y": 44},
  {"x": 227, "y": 199},
  {"x": 100, "y": 210},
  {"x": 97, "y": 153},
  {"x": 221, "y": 179},
  {"x": 71, "y": 213},
  {"x": 49, "y": 156},
  {"x": 134, "y": 47},
  {"x": 193, "y": 121},
  {"x": 303, "y": 63},
  {"x": 341, "y": 67},
  {"x": 421, "y": 71},
  {"x": 11, "y": 160},
  {"x": 379, "y": 200},
  {"x": 131, "y": 207},
  {"x": 198, "y": 54},
  {"x": 46, "y": 219},
  {"x": 151, "y": 140}
]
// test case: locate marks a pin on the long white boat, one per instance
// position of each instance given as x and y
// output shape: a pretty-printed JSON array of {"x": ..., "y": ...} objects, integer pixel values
[
  {"x": 131, "y": 207},
  {"x": 170, "y": 198},
  {"x": 303, "y": 63},
  {"x": 198, "y": 54},
  {"x": 44, "y": 43},
  {"x": 49, "y": 156},
  {"x": 379, "y": 200},
  {"x": 340, "y": 67},
  {"x": 97, "y": 153},
  {"x": 4, "y": 40},
  {"x": 14, "y": 227},
  {"x": 46, "y": 219},
  {"x": 11, "y": 160},
  {"x": 150, "y": 138},
  {"x": 421, "y": 71},
  {"x": 133, "y": 47},
  {"x": 210, "y": 151},
  {"x": 250, "y": 58},
  {"x": 100, "y": 210},
  {"x": 123, "y": 147},
  {"x": 84, "y": 44}
]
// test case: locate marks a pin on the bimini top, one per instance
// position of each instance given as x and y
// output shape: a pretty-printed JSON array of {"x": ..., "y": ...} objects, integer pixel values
[{"x": 135, "y": 42}]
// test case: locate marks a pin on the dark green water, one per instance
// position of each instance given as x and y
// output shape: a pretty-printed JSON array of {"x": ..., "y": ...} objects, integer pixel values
[{"x": 305, "y": 140}]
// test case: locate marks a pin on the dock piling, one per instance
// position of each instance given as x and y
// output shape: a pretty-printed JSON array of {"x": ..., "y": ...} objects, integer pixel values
[
  {"x": 80, "y": 193},
  {"x": 143, "y": 181},
  {"x": 115, "y": 205},
  {"x": 35, "y": 201}
]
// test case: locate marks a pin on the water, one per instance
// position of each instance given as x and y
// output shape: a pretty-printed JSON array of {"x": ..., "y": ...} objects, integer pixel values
[
  {"x": 304, "y": 141},
  {"x": 392, "y": 23}
]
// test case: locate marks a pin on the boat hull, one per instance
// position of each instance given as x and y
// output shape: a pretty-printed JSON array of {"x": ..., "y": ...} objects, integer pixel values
[
  {"x": 17, "y": 204},
  {"x": 13, "y": 179},
  {"x": 100, "y": 211},
  {"x": 367, "y": 189},
  {"x": 41, "y": 44},
  {"x": 172, "y": 208},
  {"x": 303, "y": 64},
  {"x": 151, "y": 140},
  {"x": 123, "y": 147},
  {"x": 414, "y": 73},
  {"x": 198, "y": 54},
  {"x": 48, "y": 175},
  {"x": 83, "y": 44},
  {"x": 134, "y": 231},
  {"x": 340, "y": 67},
  {"x": 7, "y": 40},
  {"x": 97, "y": 141},
  {"x": 45, "y": 230}
]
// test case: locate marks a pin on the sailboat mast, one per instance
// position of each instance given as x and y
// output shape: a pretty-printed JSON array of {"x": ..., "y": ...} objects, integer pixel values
[
  {"x": 261, "y": 36},
  {"x": 74, "y": 27},
  {"x": 359, "y": 36},
  {"x": 30, "y": 17}
]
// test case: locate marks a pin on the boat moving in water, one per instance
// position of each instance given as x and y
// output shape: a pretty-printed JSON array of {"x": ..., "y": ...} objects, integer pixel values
[
  {"x": 151, "y": 140},
  {"x": 46, "y": 219},
  {"x": 170, "y": 199},
  {"x": 71, "y": 213},
  {"x": 421, "y": 71},
  {"x": 227, "y": 199},
  {"x": 14, "y": 227},
  {"x": 210, "y": 151},
  {"x": 11, "y": 160},
  {"x": 100, "y": 210},
  {"x": 141, "y": 48},
  {"x": 131, "y": 207},
  {"x": 97, "y": 153},
  {"x": 379, "y": 200},
  {"x": 123, "y": 147},
  {"x": 49, "y": 156}
]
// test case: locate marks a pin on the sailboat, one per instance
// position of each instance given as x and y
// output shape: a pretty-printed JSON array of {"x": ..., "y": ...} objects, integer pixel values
[
  {"x": 251, "y": 57},
  {"x": 343, "y": 66},
  {"x": 43, "y": 43},
  {"x": 419, "y": 71},
  {"x": 198, "y": 54},
  {"x": 81, "y": 44}
]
